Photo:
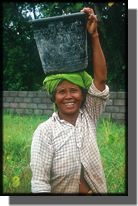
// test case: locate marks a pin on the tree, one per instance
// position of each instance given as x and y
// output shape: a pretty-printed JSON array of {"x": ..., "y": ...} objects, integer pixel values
[{"x": 21, "y": 72}]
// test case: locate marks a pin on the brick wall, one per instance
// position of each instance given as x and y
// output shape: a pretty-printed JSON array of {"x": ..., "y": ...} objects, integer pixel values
[
  {"x": 116, "y": 107},
  {"x": 38, "y": 102}
]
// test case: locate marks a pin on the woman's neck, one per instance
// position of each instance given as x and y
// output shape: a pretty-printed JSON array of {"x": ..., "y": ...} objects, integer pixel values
[{"x": 71, "y": 118}]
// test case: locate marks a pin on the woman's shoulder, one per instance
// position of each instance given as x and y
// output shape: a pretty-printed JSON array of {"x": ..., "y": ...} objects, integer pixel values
[
  {"x": 46, "y": 123},
  {"x": 44, "y": 127}
]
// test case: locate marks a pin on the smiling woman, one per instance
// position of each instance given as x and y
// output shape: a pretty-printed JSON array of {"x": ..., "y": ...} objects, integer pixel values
[
  {"x": 64, "y": 154},
  {"x": 71, "y": 89},
  {"x": 68, "y": 99}
]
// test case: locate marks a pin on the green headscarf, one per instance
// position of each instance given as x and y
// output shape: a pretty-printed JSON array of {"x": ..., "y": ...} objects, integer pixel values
[{"x": 82, "y": 79}]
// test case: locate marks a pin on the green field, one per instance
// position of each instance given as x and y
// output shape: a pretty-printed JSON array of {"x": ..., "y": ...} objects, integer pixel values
[{"x": 17, "y": 137}]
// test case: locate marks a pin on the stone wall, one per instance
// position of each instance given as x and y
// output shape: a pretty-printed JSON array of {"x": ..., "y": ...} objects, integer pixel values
[{"x": 38, "y": 102}]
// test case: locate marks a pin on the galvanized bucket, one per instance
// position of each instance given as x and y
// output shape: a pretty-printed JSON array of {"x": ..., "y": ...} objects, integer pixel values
[{"x": 62, "y": 42}]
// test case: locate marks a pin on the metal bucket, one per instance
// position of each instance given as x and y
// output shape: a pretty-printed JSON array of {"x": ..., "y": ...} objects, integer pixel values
[{"x": 62, "y": 42}]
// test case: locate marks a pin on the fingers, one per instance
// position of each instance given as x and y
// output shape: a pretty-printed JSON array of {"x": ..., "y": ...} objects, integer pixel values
[
  {"x": 92, "y": 17},
  {"x": 88, "y": 10},
  {"x": 90, "y": 13}
]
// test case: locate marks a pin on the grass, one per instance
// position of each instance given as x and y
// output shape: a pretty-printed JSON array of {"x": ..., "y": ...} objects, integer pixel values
[
  {"x": 18, "y": 131},
  {"x": 112, "y": 144},
  {"x": 17, "y": 137}
]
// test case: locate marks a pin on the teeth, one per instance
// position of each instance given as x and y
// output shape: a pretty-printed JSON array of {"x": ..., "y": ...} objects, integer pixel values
[{"x": 70, "y": 103}]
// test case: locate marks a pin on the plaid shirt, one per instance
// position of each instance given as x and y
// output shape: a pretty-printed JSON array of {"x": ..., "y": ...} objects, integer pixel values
[{"x": 59, "y": 149}]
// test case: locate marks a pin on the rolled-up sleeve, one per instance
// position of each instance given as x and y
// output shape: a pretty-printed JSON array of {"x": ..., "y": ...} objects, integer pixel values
[
  {"x": 96, "y": 101},
  {"x": 41, "y": 160}
]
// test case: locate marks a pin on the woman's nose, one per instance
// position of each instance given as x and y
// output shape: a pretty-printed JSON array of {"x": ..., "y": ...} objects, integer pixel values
[{"x": 68, "y": 95}]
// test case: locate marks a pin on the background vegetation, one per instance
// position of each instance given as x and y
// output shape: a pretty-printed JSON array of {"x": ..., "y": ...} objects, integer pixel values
[
  {"x": 22, "y": 68},
  {"x": 16, "y": 153}
]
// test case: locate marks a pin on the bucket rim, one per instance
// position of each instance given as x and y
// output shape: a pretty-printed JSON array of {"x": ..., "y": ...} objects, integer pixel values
[{"x": 60, "y": 17}]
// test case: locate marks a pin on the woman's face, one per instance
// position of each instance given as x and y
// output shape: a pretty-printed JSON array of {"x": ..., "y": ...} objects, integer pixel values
[{"x": 68, "y": 98}]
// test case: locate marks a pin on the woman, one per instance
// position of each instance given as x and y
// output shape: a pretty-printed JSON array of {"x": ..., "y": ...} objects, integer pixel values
[{"x": 64, "y": 153}]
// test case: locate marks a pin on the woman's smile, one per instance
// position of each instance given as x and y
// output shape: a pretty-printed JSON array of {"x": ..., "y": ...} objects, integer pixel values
[
  {"x": 68, "y": 99},
  {"x": 69, "y": 104}
]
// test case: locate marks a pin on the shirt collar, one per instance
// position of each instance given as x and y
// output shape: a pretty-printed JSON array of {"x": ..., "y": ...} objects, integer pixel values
[{"x": 55, "y": 116}]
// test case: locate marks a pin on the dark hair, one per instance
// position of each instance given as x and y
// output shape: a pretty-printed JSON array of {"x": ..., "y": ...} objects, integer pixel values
[
  {"x": 83, "y": 90},
  {"x": 52, "y": 96},
  {"x": 84, "y": 93}
]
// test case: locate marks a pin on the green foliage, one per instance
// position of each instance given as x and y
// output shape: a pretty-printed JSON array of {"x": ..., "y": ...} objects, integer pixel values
[
  {"x": 21, "y": 72},
  {"x": 112, "y": 143},
  {"x": 113, "y": 30},
  {"x": 17, "y": 143},
  {"x": 16, "y": 150},
  {"x": 22, "y": 69}
]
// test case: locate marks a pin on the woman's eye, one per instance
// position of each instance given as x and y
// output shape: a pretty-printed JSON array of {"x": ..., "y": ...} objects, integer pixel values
[
  {"x": 74, "y": 90},
  {"x": 61, "y": 92}
]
